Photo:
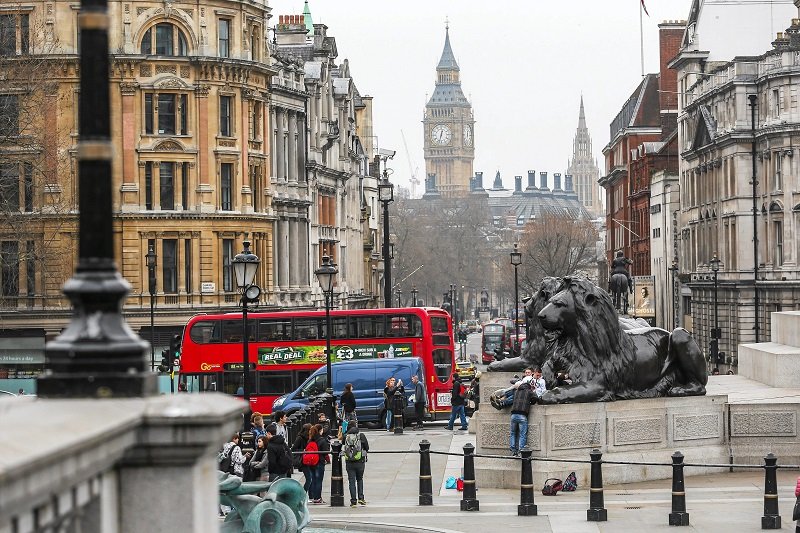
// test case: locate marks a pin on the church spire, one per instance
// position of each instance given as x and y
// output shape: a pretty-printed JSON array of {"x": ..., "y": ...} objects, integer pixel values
[
  {"x": 448, "y": 60},
  {"x": 307, "y": 19},
  {"x": 581, "y": 117}
]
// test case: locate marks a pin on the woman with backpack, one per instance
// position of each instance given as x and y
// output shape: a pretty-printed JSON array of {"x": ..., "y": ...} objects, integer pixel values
[
  {"x": 354, "y": 449},
  {"x": 316, "y": 461},
  {"x": 279, "y": 463},
  {"x": 297, "y": 459}
]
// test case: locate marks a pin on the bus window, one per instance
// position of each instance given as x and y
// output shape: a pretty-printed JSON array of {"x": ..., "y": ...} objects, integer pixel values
[
  {"x": 405, "y": 326},
  {"x": 232, "y": 331},
  {"x": 274, "y": 382},
  {"x": 233, "y": 383},
  {"x": 307, "y": 329},
  {"x": 338, "y": 328},
  {"x": 275, "y": 330},
  {"x": 443, "y": 363},
  {"x": 315, "y": 386},
  {"x": 205, "y": 332},
  {"x": 368, "y": 327},
  {"x": 439, "y": 325},
  {"x": 200, "y": 382}
]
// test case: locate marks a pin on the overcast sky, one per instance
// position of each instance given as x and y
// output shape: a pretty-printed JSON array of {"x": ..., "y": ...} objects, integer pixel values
[{"x": 524, "y": 65}]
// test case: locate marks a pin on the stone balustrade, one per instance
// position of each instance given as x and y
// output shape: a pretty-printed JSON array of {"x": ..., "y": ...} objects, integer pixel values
[{"x": 118, "y": 466}]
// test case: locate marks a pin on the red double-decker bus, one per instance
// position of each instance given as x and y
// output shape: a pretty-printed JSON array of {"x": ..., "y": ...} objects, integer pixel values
[{"x": 285, "y": 347}]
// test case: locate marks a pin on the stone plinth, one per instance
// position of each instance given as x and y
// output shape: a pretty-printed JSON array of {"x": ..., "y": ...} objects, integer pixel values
[
  {"x": 775, "y": 363},
  {"x": 632, "y": 430}
]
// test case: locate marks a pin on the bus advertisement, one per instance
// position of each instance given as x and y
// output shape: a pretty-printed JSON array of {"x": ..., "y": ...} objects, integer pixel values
[{"x": 285, "y": 347}]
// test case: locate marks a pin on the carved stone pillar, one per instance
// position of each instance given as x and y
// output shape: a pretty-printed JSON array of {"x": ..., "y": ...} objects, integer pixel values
[
  {"x": 280, "y": 149},
  {"x": 285, "y": 247},
  {"x": 291, "y": 139},
  {"x": 294, "y": 254},
  {"x": 129, "y": 190}
]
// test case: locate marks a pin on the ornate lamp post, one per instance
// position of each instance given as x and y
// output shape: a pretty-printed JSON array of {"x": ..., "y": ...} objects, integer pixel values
[
  {"x": 245, "y": 265},
  {"x": 326, "y": 275},
  {"x": 386, "y": 196},
  {"x": 399, "y": 297},
  {"x": 715, "y": 332},
  {"x": 414, "y": 292},
  {"x": 516, "y": 260},
  {"x": 151, "y": 258},
  {"x": 674, "y": 271},
  {"x": 96, "y": 355}
]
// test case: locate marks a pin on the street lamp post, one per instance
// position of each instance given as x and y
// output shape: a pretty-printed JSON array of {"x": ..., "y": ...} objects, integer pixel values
[
  {"x": 414, "y": 296},
  {"x": 386, "y": 195},
  {"x": 674, "y": 271},
  {"x": 245, "y": 265},
  {"x": 715, "y": 332},
  {"x": 151, "y": 258},
  {"x": 326, "y": 275},
  {"x": 399, "y": 297},
  {"x": 516, "y": 260},
  {"x": 453, "y": 304}
]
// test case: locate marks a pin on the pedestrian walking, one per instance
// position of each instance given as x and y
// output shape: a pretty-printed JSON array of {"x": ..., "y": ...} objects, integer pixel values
[
  {"x": 233, "y": 451},
  {"x": 257, "y": 421},
  {"x": 297, "y": 460},
  {"x": 518, "y": 435},
  {"x": 420, "y": 400},
  {"x": 354, "y": 449},
  {"x": 257, "y": 465},
  {"x": 280, "y": 418},
  {"x": 348, "y": 402},
  {"x": 457, "y": 404},
  {"x": 388, "y": 398},
  {"x": 279, "y": 455},
  {"x": 322, "y": 420}
]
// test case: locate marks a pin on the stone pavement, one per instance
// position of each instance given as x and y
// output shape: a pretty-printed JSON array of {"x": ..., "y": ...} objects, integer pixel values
[{"x": 725, "y": 503}]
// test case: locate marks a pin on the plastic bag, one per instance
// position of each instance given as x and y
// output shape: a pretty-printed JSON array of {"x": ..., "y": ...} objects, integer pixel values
[{"x": 450, "y": 483}]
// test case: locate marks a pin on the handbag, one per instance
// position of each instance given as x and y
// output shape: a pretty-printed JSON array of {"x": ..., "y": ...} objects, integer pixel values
[
  {"x": 571, "y": 483},
  {"x": 551, "y": 489}
]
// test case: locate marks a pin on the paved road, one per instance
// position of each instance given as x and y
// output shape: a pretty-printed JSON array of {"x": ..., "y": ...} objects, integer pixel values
[{"x": 724, "y": 503}]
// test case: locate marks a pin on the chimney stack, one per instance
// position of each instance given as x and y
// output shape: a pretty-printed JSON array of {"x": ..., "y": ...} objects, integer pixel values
[
  {"x": 568, "y": 183},
  {"x": 479, "y": 179},
  {"x": 531, "y": 180},
  {"x": 517, "y": 184},
  {"x": 557, "y": 181},
  {"x": 543, "y": 181}
]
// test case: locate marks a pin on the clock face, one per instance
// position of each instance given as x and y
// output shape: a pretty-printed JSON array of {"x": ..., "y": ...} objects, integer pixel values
[
  {"x": 467, "y": 135},
  {"x": 441, "y": 135}
]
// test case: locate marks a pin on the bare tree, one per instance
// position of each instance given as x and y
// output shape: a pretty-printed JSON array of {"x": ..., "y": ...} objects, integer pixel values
[
  {"x": 37, "y": 207},
  {"x": 556, "y": 245}
]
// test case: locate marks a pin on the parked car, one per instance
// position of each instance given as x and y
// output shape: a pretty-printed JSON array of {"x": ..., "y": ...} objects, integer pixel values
[
  {"x": 466, "y": 369},
  {"x": 473, "y": 326},
  {"x": 368, "y": 378}
]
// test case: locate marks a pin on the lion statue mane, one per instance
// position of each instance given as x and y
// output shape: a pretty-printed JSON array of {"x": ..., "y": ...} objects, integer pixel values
[{"x": 607, "y": 361}]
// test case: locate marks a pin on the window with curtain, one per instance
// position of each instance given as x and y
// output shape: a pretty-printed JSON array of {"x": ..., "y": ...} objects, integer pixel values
[
  {"x": 166, "y": 179},
  {"x": 148, "y": 185},
  {"x": 164, "y": 39},
  {"x": 226, "y": 186},
  {"x": 226, "y": 116},
  {"x": 12, "y": 43},
  {"x": 227, "y": 265},
  {"x": 224, "y": 43},
  {"x": 169, "y": 265}
]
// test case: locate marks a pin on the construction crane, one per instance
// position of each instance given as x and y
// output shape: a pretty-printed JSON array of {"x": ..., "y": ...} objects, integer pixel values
[{"x": 414, "y": 180}]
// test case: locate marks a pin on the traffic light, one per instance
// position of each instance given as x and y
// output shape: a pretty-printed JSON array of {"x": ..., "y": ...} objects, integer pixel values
[
  {"x": 164, "y": 366},
  {"x": 174, "y": 352}
]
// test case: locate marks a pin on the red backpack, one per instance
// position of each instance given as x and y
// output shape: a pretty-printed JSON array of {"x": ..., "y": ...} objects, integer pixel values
[{"x": 311, "y": 459}]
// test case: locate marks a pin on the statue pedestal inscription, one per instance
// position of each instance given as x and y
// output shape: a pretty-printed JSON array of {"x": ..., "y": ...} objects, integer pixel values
[{"x": 631, "y": 430}]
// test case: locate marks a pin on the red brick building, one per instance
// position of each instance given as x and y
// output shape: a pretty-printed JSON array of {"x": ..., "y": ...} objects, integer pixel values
[{"x": 642, "y": 142}]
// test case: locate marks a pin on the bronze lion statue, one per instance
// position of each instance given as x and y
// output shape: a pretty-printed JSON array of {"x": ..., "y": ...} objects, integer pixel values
[
  {"x": 607, "y": 362},
  {"x": 534, "y": 351}
]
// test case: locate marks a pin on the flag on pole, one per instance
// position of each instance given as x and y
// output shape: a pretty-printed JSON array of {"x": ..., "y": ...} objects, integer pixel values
[{"x": 645, "y": 8}]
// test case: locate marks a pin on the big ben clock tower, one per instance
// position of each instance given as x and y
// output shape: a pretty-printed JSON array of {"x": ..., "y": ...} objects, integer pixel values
[{"x": 448, "y": 124}]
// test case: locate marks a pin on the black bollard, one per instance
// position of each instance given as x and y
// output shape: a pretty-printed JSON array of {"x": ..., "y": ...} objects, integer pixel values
[
  {"x": 469, "y": 502},
  {"x": 771, "y": 518},
  {"x": 526, "y": 505},
  {"x": 597, "y": 511},
  {"x": 398, "y": 404},
  {"x": 425, "y": 482},
  {"x": 678, "y": 516},
  {"x": 337, "y": 482}
]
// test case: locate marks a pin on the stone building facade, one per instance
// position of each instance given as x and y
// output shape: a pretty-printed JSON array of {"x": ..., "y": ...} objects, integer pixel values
[
  {"x": 219, "y": 136},
  {"x": 718, "y": 134}
]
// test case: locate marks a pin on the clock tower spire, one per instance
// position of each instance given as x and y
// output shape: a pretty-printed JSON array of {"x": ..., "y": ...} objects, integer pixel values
[{"x": 448, "y": 127}]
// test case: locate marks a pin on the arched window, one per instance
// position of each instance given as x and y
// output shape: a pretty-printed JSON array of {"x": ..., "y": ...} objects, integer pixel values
[{"x": 164, "y": 39}]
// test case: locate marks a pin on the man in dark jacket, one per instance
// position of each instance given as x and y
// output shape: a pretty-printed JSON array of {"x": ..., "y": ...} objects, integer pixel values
[
  {"x": 457, "y": 404},
  {"x": 279, "y": 458},
  {"x": 355, "y": 461},
  {"x": 523, "y": 398}
]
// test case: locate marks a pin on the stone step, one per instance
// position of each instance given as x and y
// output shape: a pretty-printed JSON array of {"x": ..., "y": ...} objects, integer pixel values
[
  {"x": 772, "y": 363},
  {"x": 785, "y": 328}
]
